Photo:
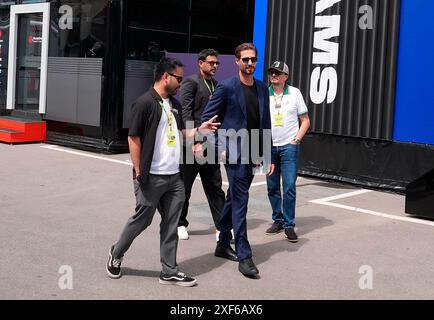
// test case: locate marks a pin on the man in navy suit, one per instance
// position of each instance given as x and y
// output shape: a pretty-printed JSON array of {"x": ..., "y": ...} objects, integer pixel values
[{"x": 242, "y": 106}]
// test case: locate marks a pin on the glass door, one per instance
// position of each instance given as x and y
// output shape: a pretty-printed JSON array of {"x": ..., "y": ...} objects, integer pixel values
[
  {"x": 4, "y": 42},
  {"x": 28, "y": 75},
  {"x": 28, "y": 57}
]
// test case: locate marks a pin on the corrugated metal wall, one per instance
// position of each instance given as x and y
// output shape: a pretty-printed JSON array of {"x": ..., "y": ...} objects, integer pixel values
[{"x": 343, "y": 59}]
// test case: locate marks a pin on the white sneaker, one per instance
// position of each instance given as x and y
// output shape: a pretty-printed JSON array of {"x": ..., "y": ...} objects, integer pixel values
[
  {"x": 182, "y": 233},
  {"x": 217, "y": 234}
]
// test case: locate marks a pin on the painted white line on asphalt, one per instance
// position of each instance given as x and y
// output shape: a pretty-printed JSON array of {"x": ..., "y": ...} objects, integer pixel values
[
  {"x": 125, "y": 162},
  {"x": 378, "y": 214},
  {"x": 326, "y": 202},
  {"x": 55, "y": 148},
  {"x": 341, "y": 196}
]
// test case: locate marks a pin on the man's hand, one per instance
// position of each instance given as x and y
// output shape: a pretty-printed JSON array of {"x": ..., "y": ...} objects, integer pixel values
[
  {"x": 209, "y": 126},
  {"x": 270, "y": 170},
  {"x": 137, "y": 174},
  {"x": 135, "y": 152},
  {"x": 198, "y": 150},
  {"x": 205, "y": 128}
]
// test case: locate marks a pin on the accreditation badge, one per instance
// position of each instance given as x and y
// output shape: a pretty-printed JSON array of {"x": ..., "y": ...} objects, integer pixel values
[
  {"x": 171, "y": 138},
  {"x": 278, "y": 119}
]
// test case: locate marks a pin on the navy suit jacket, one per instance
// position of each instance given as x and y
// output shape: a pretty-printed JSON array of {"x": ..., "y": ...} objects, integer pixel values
[{"x": 229, "y": 103}]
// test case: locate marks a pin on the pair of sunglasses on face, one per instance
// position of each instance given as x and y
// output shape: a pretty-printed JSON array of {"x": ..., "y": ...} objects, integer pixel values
[
  {"x": 178, "y": 78},
  {"x": 247, "y": 59},
  {"x": 275, "y": 72},
  {"x": 213, "y": 63},
  {"x": 216, "y": 63}
]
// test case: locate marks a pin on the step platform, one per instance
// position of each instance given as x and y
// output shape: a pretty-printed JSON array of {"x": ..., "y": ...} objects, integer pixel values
[
  {"x": 16, "y": 130},
  {"x": 419, "y": 197}
]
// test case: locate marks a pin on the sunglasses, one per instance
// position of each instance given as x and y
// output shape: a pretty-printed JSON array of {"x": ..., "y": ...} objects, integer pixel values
[
  {"x": 178, "y": 78},
  {"x": 247, "y": 59},
  {"x": 275, "y": 72},
  {"x": 213, "y": 63}
]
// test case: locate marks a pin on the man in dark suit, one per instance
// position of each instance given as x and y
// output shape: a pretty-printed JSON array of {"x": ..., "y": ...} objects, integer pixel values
[
  {"x": 196, "y": 91},
  {"x": 242, "y": 106}
]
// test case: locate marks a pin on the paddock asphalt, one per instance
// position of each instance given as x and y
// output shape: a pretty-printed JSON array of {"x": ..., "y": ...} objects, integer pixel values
[{"x": 61, "y": 209}]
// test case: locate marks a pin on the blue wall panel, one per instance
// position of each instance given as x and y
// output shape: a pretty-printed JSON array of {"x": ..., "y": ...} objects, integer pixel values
[
  {"x": 260, "y": 34},
  {"x": 414, "y": 112}
]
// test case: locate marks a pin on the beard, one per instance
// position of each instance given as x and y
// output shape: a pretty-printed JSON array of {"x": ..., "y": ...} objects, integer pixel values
[
  {"x": 171, "y": 90},
  {"x": 248, "y": 71},
  {"x": 210, "y": 73}
]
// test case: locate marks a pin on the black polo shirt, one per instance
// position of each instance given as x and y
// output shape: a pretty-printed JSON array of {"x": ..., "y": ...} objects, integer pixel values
[{"x": 146, "y": 113}]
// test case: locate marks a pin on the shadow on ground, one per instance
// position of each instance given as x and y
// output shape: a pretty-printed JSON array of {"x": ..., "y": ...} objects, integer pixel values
[
  {"x": 261, "y": 252},
  {"x": 252, "y": 223},
  {"x": 140, "y": 273}
]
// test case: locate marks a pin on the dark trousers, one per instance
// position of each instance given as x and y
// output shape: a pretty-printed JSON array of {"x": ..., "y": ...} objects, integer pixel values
[
  {"x": 211, "y": 178},
  {"x": 240, "y": 178},
  {"x": 165, "y": 193}
]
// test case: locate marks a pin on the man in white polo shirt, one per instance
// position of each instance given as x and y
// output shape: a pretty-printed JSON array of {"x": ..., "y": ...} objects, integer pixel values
[{"x": 290, "y": 122}]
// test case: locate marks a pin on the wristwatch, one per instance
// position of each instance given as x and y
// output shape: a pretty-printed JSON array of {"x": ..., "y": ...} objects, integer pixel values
[{"x": 296, "y": 140}]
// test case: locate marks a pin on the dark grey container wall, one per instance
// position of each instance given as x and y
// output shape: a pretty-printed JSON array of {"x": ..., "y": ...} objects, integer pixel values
[
  {"x": 74, "y": 90},
  {"x": 139, "y": 77},
  {"x": 366, "y": 65}
]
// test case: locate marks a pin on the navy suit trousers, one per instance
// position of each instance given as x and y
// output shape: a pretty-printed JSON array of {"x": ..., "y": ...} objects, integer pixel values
[{"x": 240, "y": 178}]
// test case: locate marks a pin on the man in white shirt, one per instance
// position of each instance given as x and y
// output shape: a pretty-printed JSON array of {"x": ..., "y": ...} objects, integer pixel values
[
  {"x": 155, "y": 146},
  {"x": 290, "y": 122}
]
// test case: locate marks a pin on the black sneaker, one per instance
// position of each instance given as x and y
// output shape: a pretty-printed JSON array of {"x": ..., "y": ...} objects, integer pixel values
[
  {"x": 178, "y": 279},
  {"x": 113, "y": 266},
  {"x": 274, "y": 229},
  {"x": 291, "y": 235}
]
